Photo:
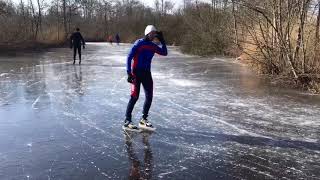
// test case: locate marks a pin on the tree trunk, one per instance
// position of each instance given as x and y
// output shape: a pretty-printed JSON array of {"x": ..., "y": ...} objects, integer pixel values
[
  {"x": 162, "y": 5},
  {"x": 235, "y": 24},
  {"x": 105, "y": 22},
  {"x": 300, "y": 37},
  {"x": 65, "y": 19},
  {"x": 58, "y": 19},
  {"x": 39, "y": 16},
  {"x": 316, "y": 42},
  {"x": 34, "y": 22},
  {"x": 69, "y": 20}
]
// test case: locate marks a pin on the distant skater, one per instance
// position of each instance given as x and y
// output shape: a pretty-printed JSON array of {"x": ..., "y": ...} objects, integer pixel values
[
  {"x": 76, "y": 40},
  {"x": 117, "y": 39},
  {"x": 110, "y": 39}
]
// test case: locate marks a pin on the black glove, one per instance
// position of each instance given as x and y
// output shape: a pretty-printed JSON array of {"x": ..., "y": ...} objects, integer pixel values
[
  {"x": 83, "y": 47},
  {"x": 70, "y": 46},
  {"x": 160, "y": 37},
  {"x": 130, "y": 78}
]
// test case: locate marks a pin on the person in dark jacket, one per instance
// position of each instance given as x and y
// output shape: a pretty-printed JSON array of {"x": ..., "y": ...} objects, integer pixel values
[
  {"x": 76, "y": 40},
  {"x": 118, "y": 38}
]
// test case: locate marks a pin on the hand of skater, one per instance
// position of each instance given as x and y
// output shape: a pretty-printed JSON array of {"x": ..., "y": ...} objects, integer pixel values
[{"x": 130, "y": 78}]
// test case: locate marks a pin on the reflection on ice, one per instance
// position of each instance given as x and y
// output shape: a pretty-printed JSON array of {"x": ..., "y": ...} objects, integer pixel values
[{"x": 140, "y": 169}]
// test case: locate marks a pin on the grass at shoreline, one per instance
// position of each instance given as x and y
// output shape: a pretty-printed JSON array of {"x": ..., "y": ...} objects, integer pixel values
[{"x": 16, "y": 48}]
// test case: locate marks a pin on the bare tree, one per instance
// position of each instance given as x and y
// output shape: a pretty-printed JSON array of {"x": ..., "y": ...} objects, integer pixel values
[
  {"x": 235, "y": 23},
  {"x": 39, "y": 23},
  {"x": 64, "y": 5},
  {"x": 317, "y": 27}
]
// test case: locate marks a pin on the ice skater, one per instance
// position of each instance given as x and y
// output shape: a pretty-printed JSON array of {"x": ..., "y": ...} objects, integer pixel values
[
  {"x": 110, "y": 39},
  {"x": 76, "y": 40},
  {"x": 118, "y": 39},
  {"x": 139, "y": 73}
]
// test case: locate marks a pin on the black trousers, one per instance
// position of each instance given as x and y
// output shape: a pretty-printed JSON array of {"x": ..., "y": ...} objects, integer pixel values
[
  {"x": 144, "y": 78},
  {"x": 75, "y": 48}
]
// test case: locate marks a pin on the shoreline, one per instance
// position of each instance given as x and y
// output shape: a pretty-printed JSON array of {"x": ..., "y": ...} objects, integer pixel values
[{"x": 15, "y": 49}]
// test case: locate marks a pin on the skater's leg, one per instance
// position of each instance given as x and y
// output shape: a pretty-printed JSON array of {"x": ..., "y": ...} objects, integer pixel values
[
  {"x": 74, "y": 54},
  {"x": 135, "y": 91},
  {"x": 79, "y": 52},
  {"x": 148, "y": 90}
]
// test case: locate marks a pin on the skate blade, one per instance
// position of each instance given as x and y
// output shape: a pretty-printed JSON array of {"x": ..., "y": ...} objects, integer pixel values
[
  {"x": 131, "y": 130},
  {"x": 145, "y": 128}
]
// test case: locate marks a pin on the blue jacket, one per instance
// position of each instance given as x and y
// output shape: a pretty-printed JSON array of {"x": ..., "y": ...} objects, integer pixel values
[{"x": 142, "y": 53}]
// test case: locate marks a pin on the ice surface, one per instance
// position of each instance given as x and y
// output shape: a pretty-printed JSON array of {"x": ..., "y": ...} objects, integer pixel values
[{"x": 215, "y": 120}]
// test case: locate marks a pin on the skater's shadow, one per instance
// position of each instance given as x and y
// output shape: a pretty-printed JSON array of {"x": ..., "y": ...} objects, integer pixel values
[
  {"x": 249, "y": 140},
  {"x": 137, "y": 169}
]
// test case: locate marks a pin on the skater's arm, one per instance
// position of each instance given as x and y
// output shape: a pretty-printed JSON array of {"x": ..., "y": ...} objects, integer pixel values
[
  {"x": 83, "y": 42},
  {"x": 71, "y": 39},
  {"x": 131, "y": 54},
  {"x": 161, "y": 51}
]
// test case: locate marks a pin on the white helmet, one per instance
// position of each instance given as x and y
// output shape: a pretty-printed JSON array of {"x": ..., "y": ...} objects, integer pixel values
[{"x": 149, "y": 29}]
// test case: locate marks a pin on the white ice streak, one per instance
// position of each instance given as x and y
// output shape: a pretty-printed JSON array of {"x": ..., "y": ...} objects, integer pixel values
[
  {"x": 159, "y": 75},
  {"x": 35, "y": 102},
  {"x": 186, "y": 83},
  {"x": 117, "y": 58},
  {"x": 35, "y": 83},
  {"x": 243, "y": 131},
  {"x": 161, "y": 175},
  {"x": 4, "y": 74},
  {"x": 51, "y": 64}
]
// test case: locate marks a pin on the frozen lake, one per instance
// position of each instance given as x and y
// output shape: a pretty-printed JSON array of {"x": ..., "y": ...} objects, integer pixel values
[{"x": 215, "y": 120}]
